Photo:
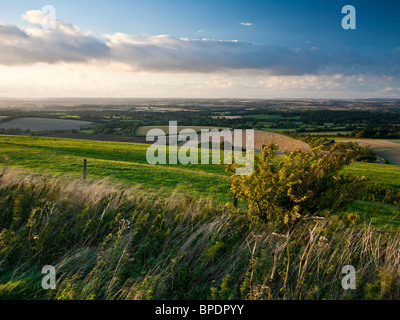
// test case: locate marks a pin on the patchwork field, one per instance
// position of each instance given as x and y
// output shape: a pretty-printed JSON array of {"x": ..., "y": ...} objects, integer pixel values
[{"x": 43, "y": 124}]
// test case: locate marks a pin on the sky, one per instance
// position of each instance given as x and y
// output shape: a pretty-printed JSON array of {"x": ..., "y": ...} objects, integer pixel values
[{"x": 199, "y": 49}]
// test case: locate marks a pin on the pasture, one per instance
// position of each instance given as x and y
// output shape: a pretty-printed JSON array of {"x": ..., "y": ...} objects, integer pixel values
[{"x": 116, "y": 161}]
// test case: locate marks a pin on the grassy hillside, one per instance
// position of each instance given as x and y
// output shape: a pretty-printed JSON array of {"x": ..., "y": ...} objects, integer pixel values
[
  {"x": 119, "y": 162},
  {"x": 383, "y": 173},
  {"x": 107, "y": 242},
  {"x": 126, "y": 163}
]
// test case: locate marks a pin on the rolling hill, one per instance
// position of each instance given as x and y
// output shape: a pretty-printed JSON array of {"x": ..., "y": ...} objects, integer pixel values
[{"x": 126, "y": 163}]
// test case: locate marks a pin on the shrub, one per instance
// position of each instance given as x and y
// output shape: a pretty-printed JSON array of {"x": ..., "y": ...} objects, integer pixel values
[{"x": 283, "y": 189}]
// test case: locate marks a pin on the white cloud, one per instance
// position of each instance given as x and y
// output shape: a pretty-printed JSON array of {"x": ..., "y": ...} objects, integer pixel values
[
  {"x": 246, "y": 24},
  {"x": 65, "y": 44},
  {"x": 164, "y": 53}
]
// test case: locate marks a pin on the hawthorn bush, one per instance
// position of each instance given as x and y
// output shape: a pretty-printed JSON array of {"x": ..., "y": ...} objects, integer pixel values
[{"x": 283, "y": 189}]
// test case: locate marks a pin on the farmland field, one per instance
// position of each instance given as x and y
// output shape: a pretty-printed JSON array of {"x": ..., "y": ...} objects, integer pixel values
[
  {"x": 389, "y": 149},
  {"x": 43, "y": 124},
  {"x": 142, "y": 131},
  {"x": 261, "y": 137},
  {"x": 285, "y": 143},
  {"x": 327, "y": 133}
]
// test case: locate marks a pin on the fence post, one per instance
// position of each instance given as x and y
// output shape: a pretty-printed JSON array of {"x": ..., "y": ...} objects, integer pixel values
[
  {"x": 84, "y": 170},
  {"x": 235, "y": 200}
]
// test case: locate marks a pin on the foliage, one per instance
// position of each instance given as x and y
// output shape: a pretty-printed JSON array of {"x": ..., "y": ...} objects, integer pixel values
[
  {"x": 107, "y": 242},
  {"x": 283, "y": 189}
]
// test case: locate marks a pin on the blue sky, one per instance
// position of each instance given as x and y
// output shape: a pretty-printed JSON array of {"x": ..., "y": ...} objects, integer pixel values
[
  {"x": 298, "y": 46},
  {"x": 284, "y": 22}
]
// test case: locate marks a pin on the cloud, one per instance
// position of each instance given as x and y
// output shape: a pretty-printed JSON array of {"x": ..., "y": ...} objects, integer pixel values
[
  {"x": 65, "y": 44},
  {"x": 10, "y": 35},
  {"x": 164, "y": 53},
  {"x": 246, "y": 23}
]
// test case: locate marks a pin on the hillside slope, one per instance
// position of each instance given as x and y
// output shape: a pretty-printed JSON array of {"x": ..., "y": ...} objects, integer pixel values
[
  {"x": 109, "y": 242},
  {"x": 126, "y": 163},
  {"x": 389, "y": 149}
]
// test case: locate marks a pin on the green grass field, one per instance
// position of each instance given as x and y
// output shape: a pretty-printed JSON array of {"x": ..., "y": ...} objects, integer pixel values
[
  {"x": 120, "y": 162},
  {"x": 126, "y": 163},
  {"x": 383, "y": 173},
  {"x": 377, "y": 214}
]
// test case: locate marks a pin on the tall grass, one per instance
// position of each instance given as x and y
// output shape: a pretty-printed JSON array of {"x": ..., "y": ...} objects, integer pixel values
[{"x": 107, "y": 242}]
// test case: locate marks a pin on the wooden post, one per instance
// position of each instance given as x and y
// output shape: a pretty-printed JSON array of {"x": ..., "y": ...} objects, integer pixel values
[
  {"x": 84, "y": 170},
  {"x": 235, "y": 200}
]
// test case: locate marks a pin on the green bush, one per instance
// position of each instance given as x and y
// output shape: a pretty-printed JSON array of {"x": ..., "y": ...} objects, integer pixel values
[{"x": 283, "y": 189}]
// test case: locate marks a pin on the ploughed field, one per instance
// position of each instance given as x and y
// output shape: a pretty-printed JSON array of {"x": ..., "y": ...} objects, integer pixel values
[
  {"x": 285, "y": 143},
  {"x": 43, "y": 124}
]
